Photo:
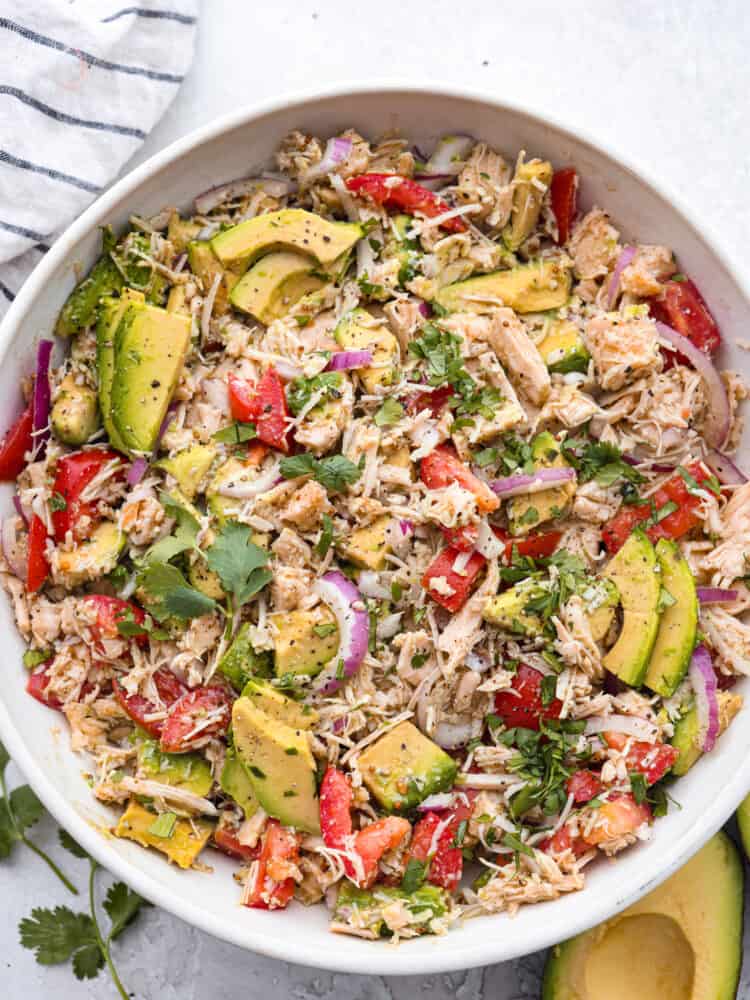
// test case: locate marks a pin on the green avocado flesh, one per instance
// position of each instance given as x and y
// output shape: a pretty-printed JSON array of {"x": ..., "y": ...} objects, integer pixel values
[
  {"x": 189, "y": 771},
  {"x": 150, "y": 345},
  {"x": 533, "y": 287},
  {"x": 235, "y": 782},
  {"x": 289, "y": 229},
  {"x": 403, "y": 767},
  {"x": 681, "y": 942},
  {"x": 675, "y": 639},
  {"x": 280, "y": 764},
  {"x": 364, "y": 908},
  {"x": 274, "y": 284},
  {"x": 635, "y": 573}
]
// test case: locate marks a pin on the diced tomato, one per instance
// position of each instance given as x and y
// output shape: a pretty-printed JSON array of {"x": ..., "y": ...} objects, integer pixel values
[
  {"x": 264, "y": 405},
  {"x": 460, "y": 583},
  {"x": 184, "y": 725},
  {"x": 445, "y": 860},
  {"x": 110, "y": 611},
  {"x": 563, "y": 197},
  {"x": 404, "y": 195},
  {"x": 37, "y": 566},
  {"x": 72, "y": 475},
  {"x": 562, "y": 841},
  {"x": 36, "y": 686},
  {"x": 725, "y": 682},
  {"x": 617, "y": 817},
  {"x": 442, "y": 467},
  {"x": 17, "y": 442},
  {"x": 375, "y": 840},
  {"x": 540, "y": 545},
  {"x": 674, "y": 525},
  {"x": 584, "y": 785},
  {"x": 273, "y": 884},
  {"x": 521, "y": 705},
  {"x": 138, "y": 708},
  {"x": 682, "y": 307},
  {"x": 652, "y": 760},
  {"x": 433, "y": 401},
  {"x": 336, "y": 828},
  {"x": 225, "y": 838}
]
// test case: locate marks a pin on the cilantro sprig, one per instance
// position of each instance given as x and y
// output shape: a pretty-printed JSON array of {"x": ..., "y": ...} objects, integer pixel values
[
  {"x": 59, "y": 935},
  {"x": 334, "y": 472},
  {"x": 599, "y": 461},
  {"x": 20, "y": 810},
  {"x": 546, "y": 759},
  {"x": 444, "y": 365},
  {"x": 326, "y": 385},
  {"x": 240, "y": 564}
]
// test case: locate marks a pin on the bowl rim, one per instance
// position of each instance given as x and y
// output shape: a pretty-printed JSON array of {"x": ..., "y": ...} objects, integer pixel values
[{"x": 377, "y": 961}]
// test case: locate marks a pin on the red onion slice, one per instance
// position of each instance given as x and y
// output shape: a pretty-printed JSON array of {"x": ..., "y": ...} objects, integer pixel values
[
  {"x": 20, "y": 510},
  {"x": 436, "y": 802},
  {"x": 716, "y": 595},
  {"x": 336, "y": 151},
  {"x": 137, "y": 471},
  {"x": 718, "y": 416},
  {"x": 626, "y": 256},
  {"x": 42, "y": 399},
  {"x": 343, "y": 361},
  {"x": 425, "y": 309},
  {"x": 703, "y": 679},
  {"x": 208, "y": 200},
  {"x": 407, "y": 528},
  {"x": 446, "y": 161},
  {"x": 345, "y": 601},
  {"x": 726, "y": 471},
  {"x": 544, "y": 479}
]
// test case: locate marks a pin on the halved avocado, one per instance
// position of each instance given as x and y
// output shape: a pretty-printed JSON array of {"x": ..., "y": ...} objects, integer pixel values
[
  {"x": 743, "y": 821},
  {"x": 150, "y": 349},
  {"x": 675, "y": 639},
  {"x": 274, "y": 284},
  {"x": 280, "y": 764},
  {"x": 681, "y": 942},
  {"x": 532, "y": 287},
  {"x": 289, "y": 229},
  {"x": 635, "y": 573}
]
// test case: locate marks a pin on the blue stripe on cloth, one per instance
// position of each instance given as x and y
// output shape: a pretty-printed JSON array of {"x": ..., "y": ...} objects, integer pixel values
[
  {"x": 7, "y": 292},
  {"x": 166, "y": 15},
  {"x": 52, "y": 43},
  {"x": 22, "y": 231},
  {"x": 60, "y": 116},
  {"x": 55, "y": 175}
]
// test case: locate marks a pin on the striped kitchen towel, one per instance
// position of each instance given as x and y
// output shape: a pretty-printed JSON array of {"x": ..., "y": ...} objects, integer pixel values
[{"x": 82, "y": 82}]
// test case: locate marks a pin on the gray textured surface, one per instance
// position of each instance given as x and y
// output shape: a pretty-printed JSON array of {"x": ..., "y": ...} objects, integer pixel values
[{"x": 664, "y": 83}]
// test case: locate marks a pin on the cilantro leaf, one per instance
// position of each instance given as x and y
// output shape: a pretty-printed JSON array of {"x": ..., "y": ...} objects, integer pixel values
[
  {"x": 183, "y": 537},
  {"x": 236, "y": 433},
  {"x": 326, "y": 385},
  {"x": 334, "y": 472},
  {"x": 55, "y": 935},
  {"x": 88, "y": 961},
  {"x": 240, "y": 564},
  {"x": 26, "y": 807},
  {"x": 4, "y": 759},
  {"x": 122, "y": 905},
  {"x": 173, "y": 595},
  {"x": 325, "y": 541},
  {"x": 600, "y": 461},
  {"x": 71, "y": 845},
  {"x": 389, "y": 413}
]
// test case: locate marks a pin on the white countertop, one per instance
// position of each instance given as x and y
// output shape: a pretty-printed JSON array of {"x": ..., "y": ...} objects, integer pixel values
[{"x": 665, "y": 83}]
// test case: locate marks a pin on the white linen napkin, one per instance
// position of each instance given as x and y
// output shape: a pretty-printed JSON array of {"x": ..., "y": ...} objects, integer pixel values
[{"x": 82, "y": 82}]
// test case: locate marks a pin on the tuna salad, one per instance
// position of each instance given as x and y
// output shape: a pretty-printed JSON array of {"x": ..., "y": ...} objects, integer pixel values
[{"x": 379, "y": 529}]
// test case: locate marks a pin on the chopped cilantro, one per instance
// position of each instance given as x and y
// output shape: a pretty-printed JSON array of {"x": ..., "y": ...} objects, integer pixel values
[
  {"x": 389, "y": 413},
  {"x": 333, "y": 472},
  {"x": 235, "y": 433},
  {"x": 326, "y": 385}
]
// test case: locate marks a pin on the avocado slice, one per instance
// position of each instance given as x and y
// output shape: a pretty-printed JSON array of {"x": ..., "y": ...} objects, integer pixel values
[
  {"x": 104, "y": 279},
  {"x": 683, "y": 941},
  {"x": 94, "y": 557},
  {"x": 563, "y": 349},
  {"x": 75, "y": 413},
  {"x": 686, "y": 731},
  {"x": 111, "y": 312},
  {"x": 150, "y": 349},
  {"x": 270, "y": 700},
  {"x": 187, "y": 839},
  {"x": 530, "y": 183},
  {"x": 525, "y": 513},
  {"x": 275, "y": 283},
  {"x": 305, "y": 641},
  {"x": 280, "y": 764},
  {"x": 241, "y": 663},
  {"x": 403, "y": 767},
  {"x": 363, "y": 908},
  {"x": 205, "y": 264},
  {"x": 675, "y": 640},
  {"x": 533, "y": 287},
  {"x": 359, "y": 331},
  {"x": 189, "y": 466},
  {"x": 235, "y": 782},
  {"x": 635, "y": 573},
  {"x": 188, "y": 771},
  {"x": 180, "y": 232},
  {"x": 233, "y": 472},
  {"x": 507, "y": 610},
  {"x": 289, "y": 229},
  {"x": 367, "y": 547}
]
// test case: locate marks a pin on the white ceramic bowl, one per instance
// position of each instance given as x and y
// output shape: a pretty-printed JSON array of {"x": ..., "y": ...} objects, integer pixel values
[{"x": 238, "y": 145}]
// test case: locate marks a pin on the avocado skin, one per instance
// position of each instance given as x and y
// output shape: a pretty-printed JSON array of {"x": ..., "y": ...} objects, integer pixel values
[
  {"x": 704, "y": 898},
  {"x": 235, "y": 782}
]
